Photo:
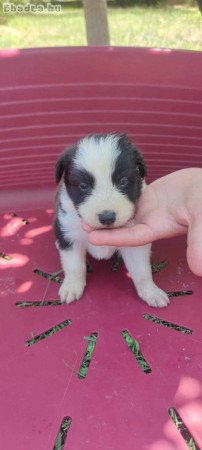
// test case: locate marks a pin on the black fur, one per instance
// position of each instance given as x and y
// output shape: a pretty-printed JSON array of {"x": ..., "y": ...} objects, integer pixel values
[
  {"x": 74, "y": 178},
  {"x": 130, "y": 167},
  {"x": 129, "y": 171},
  {"x": 64, "y": 164},
  {"x": 75, "y": 186},
  {"x": 62, "y": 242}
]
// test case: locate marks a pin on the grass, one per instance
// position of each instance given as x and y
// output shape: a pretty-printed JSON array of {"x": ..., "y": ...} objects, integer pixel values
[
  {"x": 151, "y": 27},
  {"x": 168, "y": 27}
]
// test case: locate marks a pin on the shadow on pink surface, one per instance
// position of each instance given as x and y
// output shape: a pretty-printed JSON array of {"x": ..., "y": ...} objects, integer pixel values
[
  {"x": 51, "y": 98},
  {"x": 116, "y": 402}
]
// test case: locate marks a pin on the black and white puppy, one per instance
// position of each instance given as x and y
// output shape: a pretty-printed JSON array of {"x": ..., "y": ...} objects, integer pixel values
[{"x": 103, "y": 177}]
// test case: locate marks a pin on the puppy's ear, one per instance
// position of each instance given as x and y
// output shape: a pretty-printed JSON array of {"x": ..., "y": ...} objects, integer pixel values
[
  {"x": 141, "y": 165},
  {"x": 59, "y": 168},
  {"x": 64, "y": 162},
  {"x": 126, "y": 145}
]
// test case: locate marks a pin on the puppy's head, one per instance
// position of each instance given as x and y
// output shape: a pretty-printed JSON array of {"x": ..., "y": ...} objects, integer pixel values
[{"x": 103, "y": 176}]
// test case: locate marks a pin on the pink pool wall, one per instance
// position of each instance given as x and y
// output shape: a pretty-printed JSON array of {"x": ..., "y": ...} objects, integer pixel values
[{"x": 48, "y": 99}]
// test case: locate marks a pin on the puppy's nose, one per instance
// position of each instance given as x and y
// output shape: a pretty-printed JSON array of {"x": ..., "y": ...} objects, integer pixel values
[{"x": 107, "y": 217}]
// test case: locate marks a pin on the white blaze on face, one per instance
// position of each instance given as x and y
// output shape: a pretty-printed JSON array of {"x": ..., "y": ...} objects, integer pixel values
[{"x": 98, "y": 157}]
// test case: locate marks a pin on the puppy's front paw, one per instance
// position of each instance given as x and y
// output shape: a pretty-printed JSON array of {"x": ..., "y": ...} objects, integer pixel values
[
  {"x": 71, "y": 289},
  {"x": 152, "y": 295}
]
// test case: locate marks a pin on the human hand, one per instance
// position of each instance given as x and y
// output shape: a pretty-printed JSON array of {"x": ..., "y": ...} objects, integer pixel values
[{"x": 170, "y": 206}]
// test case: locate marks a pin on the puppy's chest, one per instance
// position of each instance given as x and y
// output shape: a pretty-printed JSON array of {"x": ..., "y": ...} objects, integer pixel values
[
  {"x": 72, "y": 230},
  {"x": 103, "y": 252}
]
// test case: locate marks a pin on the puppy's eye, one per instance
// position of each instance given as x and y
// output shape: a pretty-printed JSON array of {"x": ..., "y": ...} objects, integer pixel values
[
  {"x": 83, "y": 187},
  {"x": 123, "y": 182}
]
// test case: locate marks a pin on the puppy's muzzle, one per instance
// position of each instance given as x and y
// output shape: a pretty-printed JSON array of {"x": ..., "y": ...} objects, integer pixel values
[{"x": 107, "y": 217}]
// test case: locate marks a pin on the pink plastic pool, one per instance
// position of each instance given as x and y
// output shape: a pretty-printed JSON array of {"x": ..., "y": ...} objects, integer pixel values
[{"x": 50, "y": 397}]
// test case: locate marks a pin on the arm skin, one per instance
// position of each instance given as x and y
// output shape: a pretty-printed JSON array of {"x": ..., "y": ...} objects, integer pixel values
[{"x": 170, "y": 206}]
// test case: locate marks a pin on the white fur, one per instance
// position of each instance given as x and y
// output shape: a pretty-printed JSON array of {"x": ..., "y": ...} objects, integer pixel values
[
  {"x": 73, "y": 231},
  {"x": 137, "y": 261},
  {"x": 73, "y": 260},
  {"x": 105, "y": 196},
  {"x": 74, "y": 266}
]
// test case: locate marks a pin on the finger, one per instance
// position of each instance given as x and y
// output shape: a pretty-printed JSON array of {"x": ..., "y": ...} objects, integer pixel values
[
  {"x": 123, "y": 237},
  {"x": 86, "y": 227},
  {"x": 194, "y": 247}
]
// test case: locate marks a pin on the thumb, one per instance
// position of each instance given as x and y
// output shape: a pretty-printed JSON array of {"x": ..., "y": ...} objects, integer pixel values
[
  {"x": 140, "y": 234},
  {"x": 194, "y": 245}
]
